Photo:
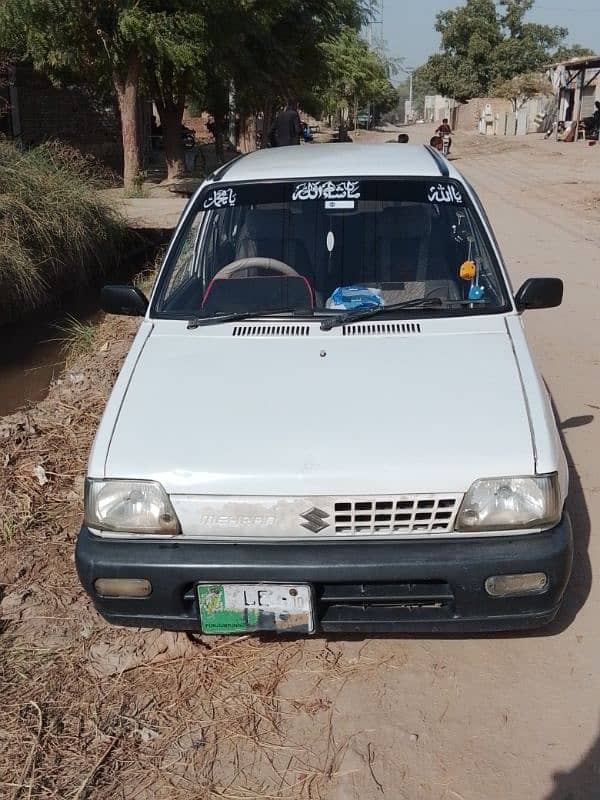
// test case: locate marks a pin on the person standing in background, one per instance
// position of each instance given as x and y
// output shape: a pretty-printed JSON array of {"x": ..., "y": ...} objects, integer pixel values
[{"x": 287, "y": 127}]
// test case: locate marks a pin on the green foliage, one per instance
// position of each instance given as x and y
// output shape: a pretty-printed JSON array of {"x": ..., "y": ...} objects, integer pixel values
[
  {"x": 177, "y": 49},
  {"x": 521, "y": 88},
  {"x": 123, "y": 42},
  {"x": 77, "y": 337},
  {"x": 138, "y": 189},
  {"x": 483, "y": 44},
  {"x": 356, "y": 75},
  {"x": 273, "y": 49},
  {"x": 567, "y": 52},
  {"x": 55, "y": 234}
]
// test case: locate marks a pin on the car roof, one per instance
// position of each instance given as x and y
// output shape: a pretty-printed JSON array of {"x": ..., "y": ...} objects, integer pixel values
[{"x": 337, "y": 160}]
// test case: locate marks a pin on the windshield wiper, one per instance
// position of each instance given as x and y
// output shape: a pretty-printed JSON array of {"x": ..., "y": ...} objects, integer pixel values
[
  {"x": 216, "y": 319},
  {"x": 365, "y": 313}
]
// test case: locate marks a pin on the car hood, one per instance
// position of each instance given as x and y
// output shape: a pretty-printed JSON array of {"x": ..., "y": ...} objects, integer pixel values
[{"x": 210, "y": 412}]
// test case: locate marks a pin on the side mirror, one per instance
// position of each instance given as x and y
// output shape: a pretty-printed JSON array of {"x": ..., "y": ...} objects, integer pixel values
[
  {"x": 125, "y": 300},
  {"x": 539, "y": 293}
]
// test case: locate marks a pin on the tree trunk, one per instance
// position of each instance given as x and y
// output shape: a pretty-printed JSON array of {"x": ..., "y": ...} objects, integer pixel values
[
  {"x": 127, "y": 89},
  {"x": 171, "y": 119}
]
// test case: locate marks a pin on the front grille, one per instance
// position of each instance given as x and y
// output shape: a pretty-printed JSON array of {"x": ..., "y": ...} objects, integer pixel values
[{"x": 417, "y": 514}]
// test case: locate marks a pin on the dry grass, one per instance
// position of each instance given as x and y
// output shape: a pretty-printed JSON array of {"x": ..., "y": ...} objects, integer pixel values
[
  {"x": 56, "y": 236},
  {"x": 99, "y": 713}
]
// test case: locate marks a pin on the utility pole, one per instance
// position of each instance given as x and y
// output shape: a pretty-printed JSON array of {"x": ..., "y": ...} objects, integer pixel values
[{"x": 408, "y": 113}]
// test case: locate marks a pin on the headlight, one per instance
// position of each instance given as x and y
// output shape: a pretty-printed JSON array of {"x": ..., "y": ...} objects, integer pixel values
[
  {"x": 499, "y": 504},
  {"x": 129, "y": 507}
]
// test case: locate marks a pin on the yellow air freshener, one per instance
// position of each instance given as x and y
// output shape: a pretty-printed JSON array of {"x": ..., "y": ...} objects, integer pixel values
[{"x": 468, "y": 270}]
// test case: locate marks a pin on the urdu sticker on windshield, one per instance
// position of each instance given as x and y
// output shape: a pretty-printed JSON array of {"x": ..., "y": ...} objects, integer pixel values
[
  {"x": 327, "y": 190},
  {"x": 444, "y": 193},
  {"x": 220, "y": 198}
]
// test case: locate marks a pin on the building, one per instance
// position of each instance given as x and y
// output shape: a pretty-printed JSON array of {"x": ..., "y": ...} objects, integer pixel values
[
  {"x": 437, "y": 107},
  {"x": 33, "y": 110},
  {"x": 577, "y": 86}
]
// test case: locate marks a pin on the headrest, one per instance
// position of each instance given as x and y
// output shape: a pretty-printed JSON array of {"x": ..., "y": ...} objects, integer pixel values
[
  {"x": 407, "y": 221},
  {"x": 266, "y": 223}
]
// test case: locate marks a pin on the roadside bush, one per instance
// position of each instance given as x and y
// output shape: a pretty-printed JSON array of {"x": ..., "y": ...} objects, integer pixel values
[{"x": 56, "y": 234}]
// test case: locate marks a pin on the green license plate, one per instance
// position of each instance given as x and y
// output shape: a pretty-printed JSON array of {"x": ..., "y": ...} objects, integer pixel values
[{"x": 247, "y": 607}]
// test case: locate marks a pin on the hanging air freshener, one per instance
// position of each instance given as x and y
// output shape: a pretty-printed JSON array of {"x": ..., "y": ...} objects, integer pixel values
[
  {"x": 467, "y": 271},
  {"x": 476, "y": 292}
]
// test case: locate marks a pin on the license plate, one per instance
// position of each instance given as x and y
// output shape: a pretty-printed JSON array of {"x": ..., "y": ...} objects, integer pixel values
[{"x": 247, "y": 607}]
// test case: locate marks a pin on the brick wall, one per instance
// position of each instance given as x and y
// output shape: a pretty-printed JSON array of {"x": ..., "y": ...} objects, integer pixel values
[
  {"x": 70, "y": 114},
  {"x": 469, "y": 114},
  {"x": 198, "y": 123}
]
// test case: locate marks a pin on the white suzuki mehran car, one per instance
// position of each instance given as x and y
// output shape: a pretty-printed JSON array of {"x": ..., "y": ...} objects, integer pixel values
[{"x": 329, "y": 419}]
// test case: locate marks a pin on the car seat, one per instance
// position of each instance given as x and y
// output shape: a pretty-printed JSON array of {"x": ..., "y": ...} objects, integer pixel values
[{"x": 403, "y": 240}]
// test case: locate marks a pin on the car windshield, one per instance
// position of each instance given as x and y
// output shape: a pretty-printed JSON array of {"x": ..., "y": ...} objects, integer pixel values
[{"x": 330, "y": 245}]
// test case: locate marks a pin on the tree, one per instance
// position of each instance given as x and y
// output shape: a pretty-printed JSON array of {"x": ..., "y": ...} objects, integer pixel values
[
  {"x": 174, "y": 51},
  {"x": 272, "y": 50},
  {"x": 355, "y": 75},
  {"x": 129, "y": 43},
  {"x": 522, "y": 88},
  {"x": 525, "y": 46},
  {"x": 470, "y": 34},
  {"x": 567, "y": 52},
  {"x": 91, "y": 39},
  {"x": 483, "y": 44}
]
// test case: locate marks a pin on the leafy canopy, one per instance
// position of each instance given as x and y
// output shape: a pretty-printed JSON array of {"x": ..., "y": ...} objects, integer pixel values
[
  {"x": 355, "y": 74},
  {"x": 484, "y": 43}
]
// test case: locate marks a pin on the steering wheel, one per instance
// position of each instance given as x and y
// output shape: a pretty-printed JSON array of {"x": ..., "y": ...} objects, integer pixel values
[
  {"x": 279, "y": 267},
  {"x": 229, "y": 270}
]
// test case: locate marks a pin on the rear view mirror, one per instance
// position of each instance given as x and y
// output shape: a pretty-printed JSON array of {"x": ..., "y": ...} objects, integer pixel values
[
  {"x": 125, "y": 300},
  {"x": 539, "y": 293}
]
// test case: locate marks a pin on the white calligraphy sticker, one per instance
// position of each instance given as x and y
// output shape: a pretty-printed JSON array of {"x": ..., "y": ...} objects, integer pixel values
[
  {"x": 444, "y": 194},
  {"x": 220, "y": 198},
  {"x": 327, "y": 190}
]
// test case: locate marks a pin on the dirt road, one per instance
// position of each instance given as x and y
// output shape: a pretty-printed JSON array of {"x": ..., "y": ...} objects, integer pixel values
[
  {"x": 90, "y": 711},
  {"x": 504, "y": 717}
]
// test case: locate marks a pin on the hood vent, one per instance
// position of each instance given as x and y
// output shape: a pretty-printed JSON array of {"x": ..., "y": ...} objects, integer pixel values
[
  {"x": 271, "y": 330},
  {"x": 382, "y": 328}
]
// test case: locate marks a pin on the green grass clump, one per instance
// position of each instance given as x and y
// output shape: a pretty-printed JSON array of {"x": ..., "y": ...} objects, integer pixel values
[
  {"x": 56, "y": 234},
  {"x": 77, "y": 337}
]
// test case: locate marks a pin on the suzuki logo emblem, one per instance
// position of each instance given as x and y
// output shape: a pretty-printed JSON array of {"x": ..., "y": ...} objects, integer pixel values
[{"x": 315, "y": 520}]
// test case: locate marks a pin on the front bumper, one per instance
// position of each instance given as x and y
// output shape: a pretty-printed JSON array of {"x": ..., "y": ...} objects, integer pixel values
[{"x": 396, "y": 586}]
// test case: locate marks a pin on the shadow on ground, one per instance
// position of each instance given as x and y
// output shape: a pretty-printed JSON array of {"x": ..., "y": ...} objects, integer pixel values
[{"x": 582, "y": 782}]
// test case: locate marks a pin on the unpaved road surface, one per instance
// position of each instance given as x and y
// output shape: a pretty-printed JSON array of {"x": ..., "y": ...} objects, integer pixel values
[
  {"x": 89, "y": 711},
  {"x": 507, "y": 716}
]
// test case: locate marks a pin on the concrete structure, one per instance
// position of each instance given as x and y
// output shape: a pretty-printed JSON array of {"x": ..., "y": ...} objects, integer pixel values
[
  {"x": 495, "y": 116},
  {"x": 437, "y": 107},
  {"x": 577, "y": 87}
]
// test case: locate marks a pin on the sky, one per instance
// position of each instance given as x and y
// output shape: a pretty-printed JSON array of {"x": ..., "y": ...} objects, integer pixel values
[{"x": 408, "y": 25}]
